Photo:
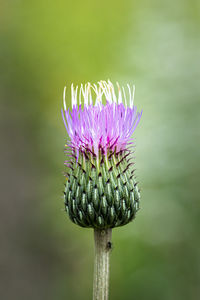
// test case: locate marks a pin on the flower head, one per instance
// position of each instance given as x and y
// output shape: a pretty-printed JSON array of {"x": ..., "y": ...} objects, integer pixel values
[
  {"x": 100, "y": 191},
  {"x": 97, "y": 125}
]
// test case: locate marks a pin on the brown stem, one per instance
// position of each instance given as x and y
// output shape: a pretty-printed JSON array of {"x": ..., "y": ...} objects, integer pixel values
[{"x": 102, "y": 240}]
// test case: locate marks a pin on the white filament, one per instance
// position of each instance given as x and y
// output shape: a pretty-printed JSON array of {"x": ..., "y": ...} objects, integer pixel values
[{"x": 84, "y": 96}]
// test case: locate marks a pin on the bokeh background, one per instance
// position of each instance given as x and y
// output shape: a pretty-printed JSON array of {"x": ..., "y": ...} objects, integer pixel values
[{"x": 45, "y": 45}]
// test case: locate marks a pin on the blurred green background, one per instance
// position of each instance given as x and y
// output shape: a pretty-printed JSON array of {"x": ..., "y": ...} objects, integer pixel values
[{"x": 48, "y": 44}]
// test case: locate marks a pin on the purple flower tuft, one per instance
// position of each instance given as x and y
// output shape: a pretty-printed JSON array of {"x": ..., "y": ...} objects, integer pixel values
[{"x": 102, "y": 120}]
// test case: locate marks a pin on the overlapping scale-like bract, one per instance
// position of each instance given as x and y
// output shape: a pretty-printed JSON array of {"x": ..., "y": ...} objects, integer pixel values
[{"x": 101, "y": 193}]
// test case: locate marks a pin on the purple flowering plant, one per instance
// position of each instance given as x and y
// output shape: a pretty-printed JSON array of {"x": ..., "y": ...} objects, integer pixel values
[{"x": 101, "y": 191}]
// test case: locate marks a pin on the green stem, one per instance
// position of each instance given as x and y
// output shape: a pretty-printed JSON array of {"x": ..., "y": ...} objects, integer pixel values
[{"x": 102, "y": 240}]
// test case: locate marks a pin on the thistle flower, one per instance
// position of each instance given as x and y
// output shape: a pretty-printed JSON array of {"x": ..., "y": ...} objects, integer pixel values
[{"x": 101, "y": 191}]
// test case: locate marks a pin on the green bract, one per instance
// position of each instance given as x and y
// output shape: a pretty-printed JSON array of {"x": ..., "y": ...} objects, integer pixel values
[{"x": 101, "y": 192}]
